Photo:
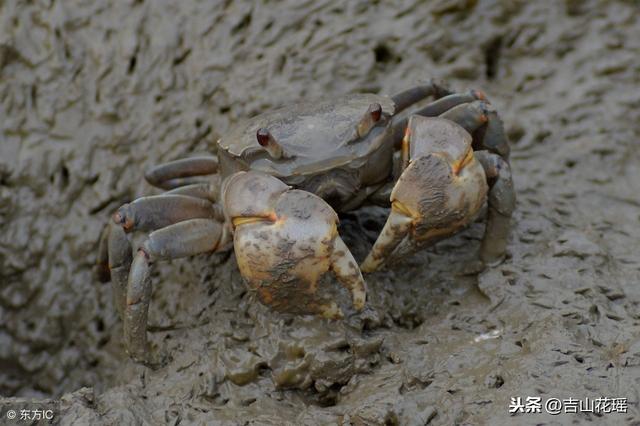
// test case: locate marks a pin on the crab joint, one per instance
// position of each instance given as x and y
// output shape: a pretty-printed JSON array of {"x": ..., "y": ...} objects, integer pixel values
[
  {"x": 479, "y": 95},
  {"x": 125, "y": 218},
  {"x": 243, "y": 220},
  {"x": 401, "y": 208},
  {"x": 370, "y": 118},
  {"x": 406, "y": 145},
  {"x": 269, "y": 143},
  {"x": 459, "y": 165}
]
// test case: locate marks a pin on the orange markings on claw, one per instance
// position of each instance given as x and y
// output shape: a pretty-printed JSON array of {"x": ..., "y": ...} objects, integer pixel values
[
  {"x": 459, "y": 165},
  {"x": 243, "y": 220},
  {"x": 405, "y": 139}
]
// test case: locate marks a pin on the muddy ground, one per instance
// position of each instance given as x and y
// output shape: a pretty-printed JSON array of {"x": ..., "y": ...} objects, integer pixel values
[{"x": 92, "y": 94}]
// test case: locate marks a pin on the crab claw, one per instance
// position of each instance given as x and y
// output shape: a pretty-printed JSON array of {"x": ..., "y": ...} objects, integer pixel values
[
  {"x": 285, "y": 241},
  {"x": 440, "y": 191}
]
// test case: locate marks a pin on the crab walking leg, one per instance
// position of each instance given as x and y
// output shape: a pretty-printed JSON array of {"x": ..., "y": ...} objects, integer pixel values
[
  {"x": 102, "y": 258},
  {"x": 158, "y": 211},
  {"x": 409, "y": 97},
  {"x": 171, "y": 184},
  {"x": 436, "y": 108},
  {"x": 136, "y": 310},
  {"x": 168, "y": 175},
  {"x": 502, "y": 201},
  {"x": 182, "y": 239},
  {"x": 119, "y": 251},
  {"x": 492, "y": 136},
  {"x": 444, "y": 104},
  {"x": 206, "y": 191},
  {"x": 481, "y": 119},
  {"x": 470, "y": 116}
]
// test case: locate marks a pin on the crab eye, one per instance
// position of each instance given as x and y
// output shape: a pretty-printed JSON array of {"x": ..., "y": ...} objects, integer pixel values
[
  {"x": 263, "y": 136},
  {"x": 369, "y": 119},
  {"x": 270, "y": 144},
  {"x": 375, "y": 110}
]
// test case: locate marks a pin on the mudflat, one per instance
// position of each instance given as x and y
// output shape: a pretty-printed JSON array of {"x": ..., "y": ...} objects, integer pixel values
[{"x": 92, "y": 94}]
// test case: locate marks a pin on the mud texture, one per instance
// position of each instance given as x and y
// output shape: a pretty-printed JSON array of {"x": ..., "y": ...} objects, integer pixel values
[{"x": 92, "y": 93}]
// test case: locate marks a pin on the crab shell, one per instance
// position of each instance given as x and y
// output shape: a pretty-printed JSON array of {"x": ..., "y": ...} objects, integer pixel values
[{"x": 323, "y": 152}]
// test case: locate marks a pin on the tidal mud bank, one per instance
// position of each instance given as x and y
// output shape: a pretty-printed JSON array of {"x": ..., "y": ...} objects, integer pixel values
[{"x": 93, "y": 94}]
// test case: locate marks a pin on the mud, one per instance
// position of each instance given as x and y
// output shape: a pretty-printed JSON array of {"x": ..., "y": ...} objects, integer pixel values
[{"x": 91, "y": 95}]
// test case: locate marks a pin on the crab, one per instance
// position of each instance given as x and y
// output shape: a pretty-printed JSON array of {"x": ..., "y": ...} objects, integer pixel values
[{"x": 279, "y": 180}]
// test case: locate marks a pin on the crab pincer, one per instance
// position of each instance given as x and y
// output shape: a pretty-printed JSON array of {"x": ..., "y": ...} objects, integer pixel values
[
  {"x": 441, "y": 189},
  {"x": 285, "y": 241}
]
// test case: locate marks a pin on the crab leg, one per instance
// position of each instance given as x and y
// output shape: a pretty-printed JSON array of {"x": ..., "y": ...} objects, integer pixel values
[
  {"x": 502, "y": 200},
  {"x": 481, "y": 119},
  {"x": 144, "y": 214},
  {"x": 102, "y": 258},
  {"x": 113, "y": 262},
  {"x": 492, "y": 137},
  {"x": 181, "y": 239},
  {"x": 119, "y": 250},
  {"x": 176, "y": 173},
  {"x": 444, "y": 104},
  {"x": 434, "y": 109},
  {"x": 158, "y": 211},
  {"x": 409, "y": 97},
  {"x": 470, "y": 116},
  {"x": 179, "y": 182},
  {"x": 207, "y": 191}
]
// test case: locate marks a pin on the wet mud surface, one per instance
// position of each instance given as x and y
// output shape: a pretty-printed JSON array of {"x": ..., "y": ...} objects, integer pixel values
[{"x": 91, "y": 95}]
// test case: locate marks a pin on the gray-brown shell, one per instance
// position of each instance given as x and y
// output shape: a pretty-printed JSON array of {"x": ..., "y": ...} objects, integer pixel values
[{"x": 317, "y": 135}]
